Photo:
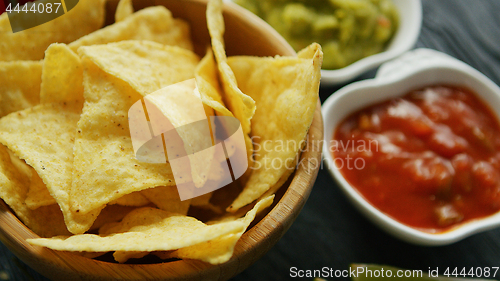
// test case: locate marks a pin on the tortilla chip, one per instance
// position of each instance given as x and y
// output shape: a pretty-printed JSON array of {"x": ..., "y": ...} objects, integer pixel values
[
  {"x": 241, "y": 105},
  {"x": 20, "y": 165},
  {"x": 167, "y": 199},
  {"x": 134, "y": 199},
  {"x": 153, "y": 24},
  {"x": 43, "y": 136},
  {"x": 220, "y": 250},
  {"x": 144, "y": 229},
  {"x": 163, "y": 254},
  {"x": 111, "y": 213},
  {"x": 283, "y": 178},
  {"x": 11, "y": 177},
  {"x": 286, "y": 92},
  {"x": 31, "y": 44},
  {"x": 62, "y": 75},
  {"x": 104, "y": 127},
  {"x": 38, "y": 194},
  {"x": 179, "y": 106},
  {"x": 123, "y": 10},
  {"x": 308, "y": 52},
  {"x": 89, "y": 255},
  {"x": 122, "y": 257},
  {"x": 20, "y": 85},
  {"x": 207, "y": 82},
  {"x": 45, "y": 221},
  {"x": 145, "y": 66}
]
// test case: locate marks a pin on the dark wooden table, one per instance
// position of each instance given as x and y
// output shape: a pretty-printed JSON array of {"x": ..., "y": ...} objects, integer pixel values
[{"x": 330, "y": 232}]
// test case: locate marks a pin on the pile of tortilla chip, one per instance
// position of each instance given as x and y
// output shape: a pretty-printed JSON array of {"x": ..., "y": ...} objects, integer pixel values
[{"x": 67, "y": 164}]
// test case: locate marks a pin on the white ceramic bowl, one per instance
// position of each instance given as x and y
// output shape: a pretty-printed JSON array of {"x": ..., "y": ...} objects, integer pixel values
[
  {"x": 410, "y": 17},
  {"x": 413, "y": 70}
]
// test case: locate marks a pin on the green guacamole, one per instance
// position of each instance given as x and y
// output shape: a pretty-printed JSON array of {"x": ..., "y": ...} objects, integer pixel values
[{"x": 348, "y": 30}]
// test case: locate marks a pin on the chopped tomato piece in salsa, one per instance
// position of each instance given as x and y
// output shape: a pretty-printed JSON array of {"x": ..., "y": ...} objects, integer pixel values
[{"x": 430, "y": 159}]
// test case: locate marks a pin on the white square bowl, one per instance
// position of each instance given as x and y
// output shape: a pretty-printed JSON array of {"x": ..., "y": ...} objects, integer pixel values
[{"x": 414, "y": 70}]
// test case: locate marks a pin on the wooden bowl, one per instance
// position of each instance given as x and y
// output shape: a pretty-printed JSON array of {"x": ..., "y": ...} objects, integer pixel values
[{"x": 245, "y": 34}]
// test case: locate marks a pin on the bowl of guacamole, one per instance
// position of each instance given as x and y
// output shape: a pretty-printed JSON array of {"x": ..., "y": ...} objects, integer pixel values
[{"x": 349, "y": 31}]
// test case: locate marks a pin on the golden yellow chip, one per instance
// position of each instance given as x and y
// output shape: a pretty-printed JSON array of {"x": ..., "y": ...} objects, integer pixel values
[
  {"x": 207, "y": 81},
  {"x": 89, "y": 255},
  {"x": 145, "y": 66},
  {"x": 123, "y": 10},
  {"x": 286, "y": 92},
  {"x": 43, "y": 136},
  {"x": 62, "y": 75},
  {"x": 144, "y": 229},
  {"x": 153, "y": 24},
  {"x": 150, "y": 59},
  {"x": 308, "y": 52},
  {"x": 103, "y": 126},
  {"x": 20, "y": 165},
  {"x": 31, "y": 44},
  {"x": 19, "y": 85},
  {"x": 110, "y": 214},
  {"x": 285, "y": 176},
  {"x": 167, "y": 199},
  {"x": 134, "y": 199},
  {"x": 181, "y": 106},
  {"x": 38, "y": 194},
  {"x": 61, "y": 82},
  {"x": 45, "y": 221},
  {"x": 241, "y": 105},
  {"x": 122, "y": 257},
  {"x": 221, "y": 249}
]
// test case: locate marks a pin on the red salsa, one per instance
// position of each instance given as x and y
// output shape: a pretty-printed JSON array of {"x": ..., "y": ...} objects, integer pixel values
[{"x": 430, "y": 159}]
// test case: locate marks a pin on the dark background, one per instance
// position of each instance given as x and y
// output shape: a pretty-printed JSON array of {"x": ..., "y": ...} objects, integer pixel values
[{"x": 329, "y": 231}]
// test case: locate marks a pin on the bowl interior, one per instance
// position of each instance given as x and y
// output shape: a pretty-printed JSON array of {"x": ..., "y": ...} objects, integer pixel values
[
  {"x": 359, "y": 95},
  {"x": 245, "y": 34}
]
